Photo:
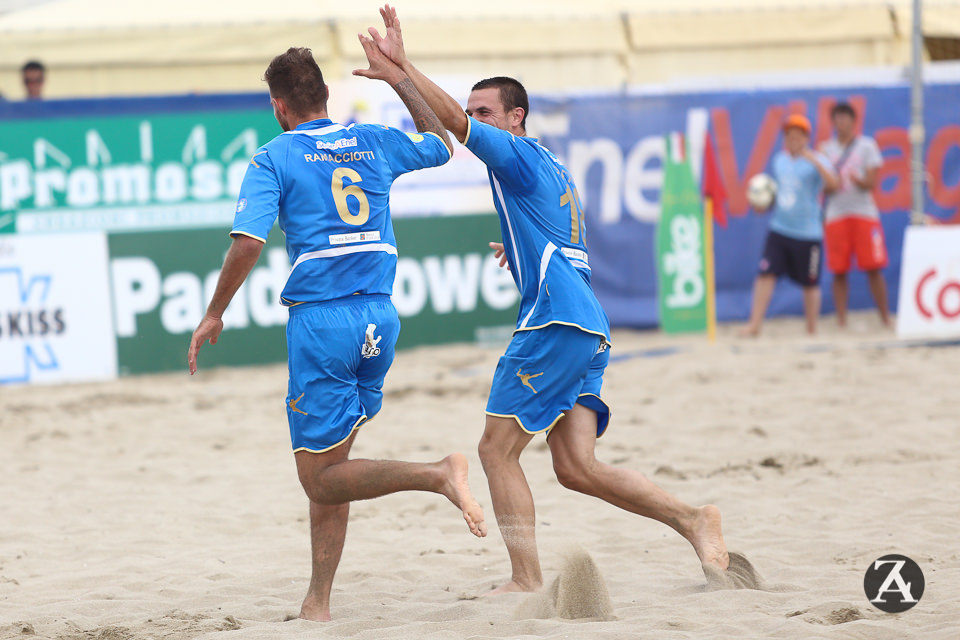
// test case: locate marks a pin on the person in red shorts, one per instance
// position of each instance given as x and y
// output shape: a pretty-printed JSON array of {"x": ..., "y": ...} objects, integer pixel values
[{"x": 852, "y": 221}]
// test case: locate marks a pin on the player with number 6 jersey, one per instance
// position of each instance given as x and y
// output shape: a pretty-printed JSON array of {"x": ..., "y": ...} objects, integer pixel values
[{"x": 329, "y": 185}]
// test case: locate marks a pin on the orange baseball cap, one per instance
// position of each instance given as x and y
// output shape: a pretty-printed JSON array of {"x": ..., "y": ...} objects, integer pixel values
[{"x": 799, "y": 121}]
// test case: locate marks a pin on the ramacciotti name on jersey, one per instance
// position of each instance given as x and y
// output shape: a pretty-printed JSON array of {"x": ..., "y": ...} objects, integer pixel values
[{"x": 350, "y": 156}]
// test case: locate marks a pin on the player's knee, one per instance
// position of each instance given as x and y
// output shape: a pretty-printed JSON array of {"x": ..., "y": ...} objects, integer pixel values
[
  {"x": 492, "y": 452},
  {"x": 572, "y": 473},
  {"x": 487, "y": 452},
  {"x": 314, "y": 487}
]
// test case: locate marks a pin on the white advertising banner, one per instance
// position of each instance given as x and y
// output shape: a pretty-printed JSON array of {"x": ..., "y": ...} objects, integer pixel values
[
  {"x": 930, "y": 283},
  {"x": 55, "y": 311}
]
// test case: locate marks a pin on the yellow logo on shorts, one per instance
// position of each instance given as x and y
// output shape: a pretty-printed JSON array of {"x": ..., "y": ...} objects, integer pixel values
[
  {"x": 526, "y": 377},
  {"x": 293, "y": 405}
]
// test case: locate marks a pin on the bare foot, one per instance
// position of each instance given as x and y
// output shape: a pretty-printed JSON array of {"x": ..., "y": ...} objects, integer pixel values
[
  {"x": 707, "y": 538},
  {"x": 312, "y": 609},
  {"x": 749, "y": 332},
  {"x": 457, "y": 489},
  {"x": 512, "y": 587}
]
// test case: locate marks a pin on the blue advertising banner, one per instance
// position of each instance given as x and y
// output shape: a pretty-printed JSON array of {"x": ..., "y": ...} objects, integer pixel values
[{"x": 614, "y": 146}]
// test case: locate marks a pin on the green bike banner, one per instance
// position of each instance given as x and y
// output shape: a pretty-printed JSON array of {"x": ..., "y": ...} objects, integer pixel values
[
  {"x": 682, "y": 291},
  {"x": 449, "y": 287}
]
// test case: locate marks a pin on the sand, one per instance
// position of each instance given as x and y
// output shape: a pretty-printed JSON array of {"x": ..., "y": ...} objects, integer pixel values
[{"x": 168, "y": 507}]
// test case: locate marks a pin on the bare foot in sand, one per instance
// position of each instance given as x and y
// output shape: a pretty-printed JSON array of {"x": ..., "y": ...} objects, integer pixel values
[
  {"x": 748, "y": 332},
  {"x": 312, "y": 609},
  {"x": 512, "y": 587},
  {"x": 457, "y": 489},
  {"x": 706, "y": 536}
]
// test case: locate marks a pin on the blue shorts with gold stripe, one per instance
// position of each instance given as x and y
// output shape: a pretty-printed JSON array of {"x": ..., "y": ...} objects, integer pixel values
[
  {"x": 339, "y": 352},
  {"x": 546, "y": 371}
]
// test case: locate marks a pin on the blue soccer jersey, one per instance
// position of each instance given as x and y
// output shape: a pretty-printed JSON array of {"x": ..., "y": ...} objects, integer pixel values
[
  {"x": 330, "y": 184},
  {"x": 796, "y": 212},
  {"x": 542, "y": 228}
]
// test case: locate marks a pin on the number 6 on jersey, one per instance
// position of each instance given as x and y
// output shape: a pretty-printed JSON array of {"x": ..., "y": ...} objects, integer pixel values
[{"x": 341, "y": 193}]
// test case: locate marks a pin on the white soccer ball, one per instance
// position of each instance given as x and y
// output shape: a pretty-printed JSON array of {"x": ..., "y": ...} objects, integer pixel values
[{"x": 761, "y": 191}]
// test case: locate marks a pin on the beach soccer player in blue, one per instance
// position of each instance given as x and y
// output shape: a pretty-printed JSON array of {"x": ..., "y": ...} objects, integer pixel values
[
  {"x": 549, "y": 379},
  {"x": 329, "y": 186}
]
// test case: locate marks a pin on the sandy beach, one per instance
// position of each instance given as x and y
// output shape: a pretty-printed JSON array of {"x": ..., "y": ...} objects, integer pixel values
[{"x": 168, "y": 507}]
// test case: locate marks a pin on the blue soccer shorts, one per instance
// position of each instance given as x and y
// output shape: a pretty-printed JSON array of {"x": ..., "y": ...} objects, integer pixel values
[
  {"x": 338, "y": 353},
  {"x": 546, "y": 371}
]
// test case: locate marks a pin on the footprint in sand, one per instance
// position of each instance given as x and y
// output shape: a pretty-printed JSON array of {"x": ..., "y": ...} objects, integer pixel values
[{"x": 739, "y": 575}]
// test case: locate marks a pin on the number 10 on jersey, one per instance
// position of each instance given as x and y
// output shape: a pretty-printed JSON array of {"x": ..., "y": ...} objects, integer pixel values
[{"x": 576, "y": 216}]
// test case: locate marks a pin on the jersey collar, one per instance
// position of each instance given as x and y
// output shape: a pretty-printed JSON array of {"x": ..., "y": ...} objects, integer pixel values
[{"x": 313, "y": 124}]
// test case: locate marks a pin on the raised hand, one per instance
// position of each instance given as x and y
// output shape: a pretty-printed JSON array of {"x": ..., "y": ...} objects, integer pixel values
[
  {"x": 392, "y": 43},
  {"x": 380, "y": 66}
]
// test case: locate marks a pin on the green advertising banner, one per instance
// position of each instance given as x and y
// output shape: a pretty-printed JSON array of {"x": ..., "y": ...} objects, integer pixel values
[
  {"x": 160, "y": 176},
  {"x": 127, "y": 172},
  {"x": 449, "y": 287},
  {"x": 682, "y": 291}
]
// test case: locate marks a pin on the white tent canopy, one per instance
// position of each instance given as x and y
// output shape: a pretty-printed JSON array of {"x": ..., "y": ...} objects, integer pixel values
[{"x": 110, "y": 47}]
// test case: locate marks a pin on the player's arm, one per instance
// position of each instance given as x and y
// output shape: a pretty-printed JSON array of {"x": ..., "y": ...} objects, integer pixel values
[
  {"x": 382, "y": 68},
  {"x": 241, "y": 257},
  {"x": 867, "y": 180},
  {"x": 439, "y": 101},
  {"x": 830, "y": 180},
  {"x": 873, "y": 160}
]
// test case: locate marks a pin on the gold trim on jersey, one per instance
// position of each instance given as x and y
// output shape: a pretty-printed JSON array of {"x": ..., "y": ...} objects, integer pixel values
[
  {"x": 566, "y": 324},
  {"x": 449, "y": 152},
  {"x": 234, "y": 234}
]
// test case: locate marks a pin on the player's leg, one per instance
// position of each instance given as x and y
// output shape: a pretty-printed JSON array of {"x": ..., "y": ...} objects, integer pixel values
[
  {"x": 872, "y": 258},
  {"x": 572, "y": 444},
  {"x": 811, "y": 307},
  {"x": 812, "y": 298},
  {"x": 839, "y": 247},
  {"x": 351, "y": 393},
  {"x": 841, "y": 294},
  {"x": 324, "y": 409},
  {"x": 522, "y": 403},
  {"x": 763, "y": 288},
  {"x": 328, "y": 529},
  {"x": 500, "y": 447},
  {"x": 771, "y": 265},
  {"x": 878, "y": 288}
]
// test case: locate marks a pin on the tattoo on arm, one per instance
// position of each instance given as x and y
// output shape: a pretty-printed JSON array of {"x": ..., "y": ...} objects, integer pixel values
[{"x": 424, "y": 118}]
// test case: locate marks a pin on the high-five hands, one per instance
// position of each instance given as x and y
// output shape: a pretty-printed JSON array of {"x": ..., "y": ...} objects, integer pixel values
[
  {"x": 391, "y": 44},
  {"x": 380, "y": 67}
]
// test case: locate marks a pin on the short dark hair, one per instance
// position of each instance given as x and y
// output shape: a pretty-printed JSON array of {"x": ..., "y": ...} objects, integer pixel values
[
  {"x": 842, "y": 108},
  {"x": 33, "y": 65},
  {"x": 296, "y": 77},
  {"x": 512, "y": 94}
]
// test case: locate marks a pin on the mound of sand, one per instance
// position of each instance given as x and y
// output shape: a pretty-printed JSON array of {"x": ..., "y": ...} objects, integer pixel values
[{"x": 578, "y": 593}]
